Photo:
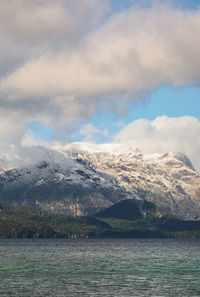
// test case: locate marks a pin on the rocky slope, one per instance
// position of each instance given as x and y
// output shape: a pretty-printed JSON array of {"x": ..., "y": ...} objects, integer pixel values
[{"x": 81, "y": 179}]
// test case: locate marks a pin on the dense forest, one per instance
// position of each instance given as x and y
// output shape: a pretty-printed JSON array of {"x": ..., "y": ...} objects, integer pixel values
[{"x": 29, "y": 222}]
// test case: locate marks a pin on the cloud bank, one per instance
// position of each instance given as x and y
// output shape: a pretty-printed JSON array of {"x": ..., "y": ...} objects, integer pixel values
[
  {"x": 63, "y": 61},
  {"x": 133, "y": 52},
  {"x": 87, "y": 60}
]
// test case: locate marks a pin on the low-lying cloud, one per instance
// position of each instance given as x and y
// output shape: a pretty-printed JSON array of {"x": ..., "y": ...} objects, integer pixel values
[{"x": 163, "y": 135}]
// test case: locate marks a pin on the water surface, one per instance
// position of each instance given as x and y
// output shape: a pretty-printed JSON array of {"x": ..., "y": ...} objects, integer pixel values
[{"x": 135, "y": 267}]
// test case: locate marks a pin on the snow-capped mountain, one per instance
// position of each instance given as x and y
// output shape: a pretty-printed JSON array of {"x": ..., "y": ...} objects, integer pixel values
[{"x": 83, "y": 178}]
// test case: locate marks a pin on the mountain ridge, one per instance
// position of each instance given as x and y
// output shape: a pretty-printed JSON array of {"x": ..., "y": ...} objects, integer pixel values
[{"x": 81, "y": 179}]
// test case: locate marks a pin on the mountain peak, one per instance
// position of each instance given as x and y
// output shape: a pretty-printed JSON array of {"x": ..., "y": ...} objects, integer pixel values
[
  {"x": 82, "y": 178},
  {"x": 183, "y": 158},
  {"x": 180, "y": 157}
]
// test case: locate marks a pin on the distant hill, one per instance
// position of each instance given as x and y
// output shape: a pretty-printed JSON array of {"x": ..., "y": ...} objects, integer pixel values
[
  {"x": 129, "y": 209},
  {"x": 145, "y": 213}
]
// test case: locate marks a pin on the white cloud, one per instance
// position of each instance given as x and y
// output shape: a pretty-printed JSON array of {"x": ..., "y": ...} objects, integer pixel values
[
  {"x": 44, "y": 20},
  {"x": 90, "y": 133},
  {"x": 28, "y": 29},
  {"x": 88, "y": 130},
  {"x": 164, "y": 134},
  {"x": 12, "y": 127},
  {"x": 63, "y": 61},
  {"x": 133, "y": 53}
]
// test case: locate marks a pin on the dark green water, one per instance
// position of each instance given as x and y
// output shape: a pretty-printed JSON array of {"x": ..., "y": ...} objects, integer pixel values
[{"x": 100, "y": 268}]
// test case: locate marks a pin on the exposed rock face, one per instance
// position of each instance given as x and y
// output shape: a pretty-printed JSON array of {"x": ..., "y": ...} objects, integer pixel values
[{"x": 87, "y": 178}]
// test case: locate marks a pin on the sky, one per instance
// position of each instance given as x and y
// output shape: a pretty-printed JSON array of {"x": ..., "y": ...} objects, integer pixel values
[{"x": 102, "y": 71}]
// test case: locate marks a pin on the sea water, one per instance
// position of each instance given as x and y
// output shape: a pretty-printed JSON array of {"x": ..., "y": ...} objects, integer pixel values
[{"x": 121, "y": 267}]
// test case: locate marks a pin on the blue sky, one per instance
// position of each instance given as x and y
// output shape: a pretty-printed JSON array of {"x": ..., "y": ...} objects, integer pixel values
[
  {"x": 118, "y": 5},
  {"x": 169, "y": 101}
]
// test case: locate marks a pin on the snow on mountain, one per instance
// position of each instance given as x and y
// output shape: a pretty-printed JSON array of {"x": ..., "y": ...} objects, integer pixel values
[{"x": 83, "y": 178}]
